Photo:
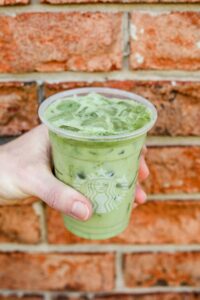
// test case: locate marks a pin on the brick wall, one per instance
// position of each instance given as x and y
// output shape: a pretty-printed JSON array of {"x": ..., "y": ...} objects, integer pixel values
[{"x": 149, "y": 47}]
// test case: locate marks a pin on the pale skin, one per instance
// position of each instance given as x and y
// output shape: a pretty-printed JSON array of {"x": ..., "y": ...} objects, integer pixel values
[{"x": 26, "y": 172}]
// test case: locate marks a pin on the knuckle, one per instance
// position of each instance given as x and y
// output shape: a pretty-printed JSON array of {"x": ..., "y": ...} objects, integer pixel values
[{"x": 51, "y": 197}]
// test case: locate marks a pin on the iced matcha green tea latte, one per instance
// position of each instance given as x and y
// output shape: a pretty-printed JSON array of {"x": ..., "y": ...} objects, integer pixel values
[{"x": 97, "y": 136}]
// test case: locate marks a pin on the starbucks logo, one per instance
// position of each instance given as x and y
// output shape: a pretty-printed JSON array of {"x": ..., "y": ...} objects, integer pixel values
[{"x": 104, "y": 189}]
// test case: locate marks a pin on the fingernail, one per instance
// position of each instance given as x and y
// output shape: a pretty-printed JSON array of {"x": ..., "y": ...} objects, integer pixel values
[{"x": 80, "y": 210}]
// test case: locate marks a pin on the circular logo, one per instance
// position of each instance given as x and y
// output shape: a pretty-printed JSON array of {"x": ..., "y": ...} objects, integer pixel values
[{"x": 105, "y": 190}]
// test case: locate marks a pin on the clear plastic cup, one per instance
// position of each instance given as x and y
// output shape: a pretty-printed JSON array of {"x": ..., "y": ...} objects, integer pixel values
[{"x": 103, "y": 168}]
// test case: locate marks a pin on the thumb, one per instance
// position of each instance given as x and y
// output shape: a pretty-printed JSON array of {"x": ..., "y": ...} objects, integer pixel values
[{"x": 62, "y": 197}]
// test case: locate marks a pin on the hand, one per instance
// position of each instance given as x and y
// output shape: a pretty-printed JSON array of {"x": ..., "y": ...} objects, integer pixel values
[
  {"x": 26, "y": 171},
  {"x": 140, "y": 195}
]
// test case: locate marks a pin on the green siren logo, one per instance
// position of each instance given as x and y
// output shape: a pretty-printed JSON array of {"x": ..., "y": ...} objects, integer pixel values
[{"x": 104, "y": 189}]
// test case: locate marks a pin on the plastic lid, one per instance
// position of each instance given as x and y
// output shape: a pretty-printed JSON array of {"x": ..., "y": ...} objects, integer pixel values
[{"x": 109, "y": 93}]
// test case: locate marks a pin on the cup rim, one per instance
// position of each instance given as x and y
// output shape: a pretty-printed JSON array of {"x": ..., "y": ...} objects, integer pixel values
[{"x": 101, "y": 90}]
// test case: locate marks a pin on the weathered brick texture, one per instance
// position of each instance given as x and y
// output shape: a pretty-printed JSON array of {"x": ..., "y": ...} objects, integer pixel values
[
  {"x": 18, "y": 107},
  {"x": 165, "y": 41},
  {"x": 173, "y": 170},
  {"x": 15, "y": 297},
  {"x": 152, "y": 296},
  {"x": 19, "y": 224},
  {"x": 177, "y": 102},
  {"x": 79, "y": 272},
  {"x": 159, "y": 296},
  {"x": 50, "y": 42},
  {"x": 162, "y": 269},
  {"x": 13, "y": 2},
  {"x": 156, "y": 222},
  {"x": 117, "y": 1}
]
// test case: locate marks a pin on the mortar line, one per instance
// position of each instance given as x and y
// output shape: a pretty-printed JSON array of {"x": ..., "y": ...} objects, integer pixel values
[
  {"x": 126, "y": 46},
  {"x": 119, "y": 283},
  {"x": 20, "y": 293},
  {"x": 90, "y": 295},
  {"x": 41, "y": 92},
  {"x": 47, "y": 296},
  {"x": 173, "y": 141},
  {"x": 155, "y": 8},
  {"x": 40, "y": 211},
  {"x": 69, "y": 76},
  {"x": 54, "y": 294},
  {"x": 178, "y": 197},
  {"x": 97, "y": 248},
  {"x": 160, "y": 289},
  {"x": 152, "y": 141},
  {"x": 35, "y": 2}
]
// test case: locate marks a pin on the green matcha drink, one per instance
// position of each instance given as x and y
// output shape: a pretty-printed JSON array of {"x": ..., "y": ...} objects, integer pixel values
[{"x": 97, "y": 136}]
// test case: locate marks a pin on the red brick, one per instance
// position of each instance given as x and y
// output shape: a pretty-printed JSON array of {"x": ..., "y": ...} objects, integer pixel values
[
  {"x": 18, "y": 107},
  {"x": 162, "y": 269},
  {"x": 19, "y": 224},
  {"x": 60, "y": 41},
  {"x": 177, "y": 102},
  {"x": 158, "y": 296},
  {"x": 13, "y": 2},
  {"x": 173, "y": 170},
  {"x": 79, "y": 272},
  {"x": 15, "y": 297},
  {"x": 156, "y": 222},
  {"x": 165, "y": 41},
  {"x": 116, "y": 1}
]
